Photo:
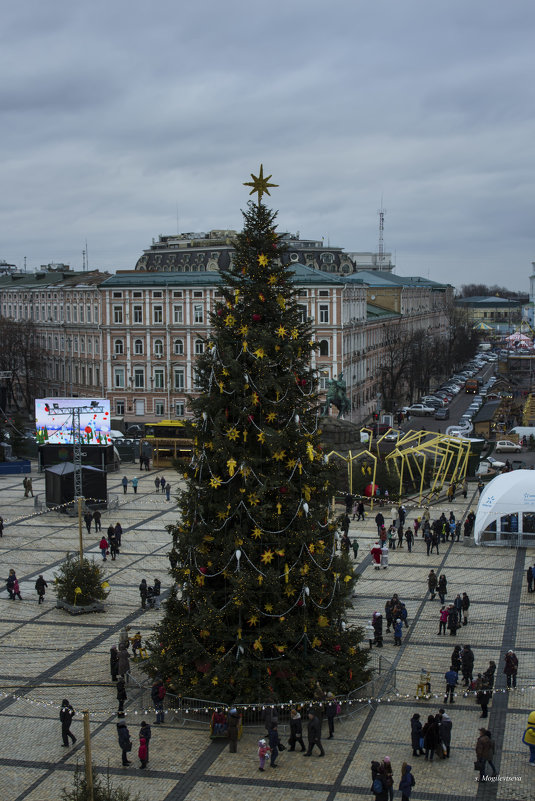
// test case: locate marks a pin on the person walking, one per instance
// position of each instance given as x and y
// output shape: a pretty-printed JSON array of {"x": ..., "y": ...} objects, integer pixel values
[
  {"x": 157, "y": 695},
  {"x": 114, "y": 547},
  {"x": 482, "y": 695},
  {"x": 233, "y": 730},
  {"x": 464, "y": 488},
  {"x": 123, "y": 735},
  {"x": 407, "y": 782},
  {"x": 386, "y": 765},
  {"x": 432, "y": 584},
  {"x": 118, "y": 533},
  {"x": 145, "y": 731},
  {"x": 1, "y": 526},
  {"x": 430, "y": 735},
  {"x": 114, "y": 663},
  {"x": 274, "y": 744},
  {"x": 453, "y": 620},
  {"x": 124, "y": 660},
  {"x": 360, "y": 511},
  {"x": 157, "y": 483},
  {"x": 143, "y": 590},
  {"x": 416, "y": 735},
  {"x": 442, "y": 621},
  {"x": 485, "y": 752},
  {"x": 355, "y": 546},
  {"x": 511, "y": 668},
  {"x": 163, "y": 482},
  {"x": 66, "y": 715},
  {"x": 263, "y": 754},
  {"x": 314, "y": 734},
  {"x": 409, "y": 538},
  {"x": 121, "y": 693},
  {"x": 330, "y": 710},
  {"x": 40, "y": 586},
  {"x": 452, "y": 677},
  {"x": 435, "y": 541},
  {"x": 16, "y": 594},
  {"x": 88, "y": 519},
  {"x": 467, "y": 665},
  {"x": 379, "y": 522},
  {"x": 142, "y": 753},
  {"x": 124, "y": 482},
  {"x": 442, "y": 587},
  {"x": 168, "y": 498},
  {"x": 480, "y": 486},
  {"x": 97, "y": 517},
  {"x": 103, "y": 545},
  {"x": 378, "y": 788},
  {"x": 427, "y": 538},
  {"x": 377, "y": 623},
  {"x": 529, "y": 576},
  {"x": 398, "y": 631},
  {"x": 465, "y": 605},
  {"x": 445, "y": 726},
  {"x": 296, "y": 731},
  {"x": 135, "y": 482},
  {"x": 528, "y": 738},
  {"x": 157, "y": 588},
  {"x": 10, "y": 583}
]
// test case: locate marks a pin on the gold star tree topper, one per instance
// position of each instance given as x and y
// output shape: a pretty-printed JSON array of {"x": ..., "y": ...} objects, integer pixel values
[{"x": 260, "y": 185}]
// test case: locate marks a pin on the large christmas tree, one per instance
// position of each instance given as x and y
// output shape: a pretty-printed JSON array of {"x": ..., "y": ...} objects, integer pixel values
[{"x": 258, "y": 611}]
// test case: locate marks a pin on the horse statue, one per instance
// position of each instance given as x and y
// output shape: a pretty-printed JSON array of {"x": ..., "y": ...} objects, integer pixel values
[{"x": 336, "y": 395}]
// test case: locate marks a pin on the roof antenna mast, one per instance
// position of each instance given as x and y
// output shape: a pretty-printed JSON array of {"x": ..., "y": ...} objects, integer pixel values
[{"x": 381, "y": 249}]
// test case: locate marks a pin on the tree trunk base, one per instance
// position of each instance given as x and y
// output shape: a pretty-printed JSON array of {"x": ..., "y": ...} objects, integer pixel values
[{"x": 72, "y": 609}]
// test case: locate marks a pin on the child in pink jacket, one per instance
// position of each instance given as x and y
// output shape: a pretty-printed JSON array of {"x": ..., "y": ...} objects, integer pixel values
[{"x": 263, "y": 753}]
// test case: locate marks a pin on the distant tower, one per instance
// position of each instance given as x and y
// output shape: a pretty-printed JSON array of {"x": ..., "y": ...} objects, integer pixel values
[{"x": 381, "y": 249}]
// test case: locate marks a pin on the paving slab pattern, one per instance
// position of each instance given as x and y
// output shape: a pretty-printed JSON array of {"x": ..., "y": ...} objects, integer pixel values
[{"x": 47, "y": 655}]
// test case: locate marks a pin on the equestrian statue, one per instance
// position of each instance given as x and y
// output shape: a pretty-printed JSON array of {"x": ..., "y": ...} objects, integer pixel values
[{"x": 336, "y": 395}]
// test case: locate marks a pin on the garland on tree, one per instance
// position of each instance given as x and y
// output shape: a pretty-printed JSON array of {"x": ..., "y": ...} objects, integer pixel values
[{"x": 258, "y": 611}]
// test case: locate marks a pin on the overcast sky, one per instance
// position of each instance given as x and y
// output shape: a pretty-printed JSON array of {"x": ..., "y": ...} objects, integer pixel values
[{"x": 120, "y": 117}]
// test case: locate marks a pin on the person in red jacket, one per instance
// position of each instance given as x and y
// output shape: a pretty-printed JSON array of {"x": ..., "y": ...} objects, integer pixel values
[
  {"x": 142, "y": 752},
  {"x": 103, "y": 545},
  {"x": 376, "y": 555}
]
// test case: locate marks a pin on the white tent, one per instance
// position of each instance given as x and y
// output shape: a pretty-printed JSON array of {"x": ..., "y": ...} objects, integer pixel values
[{"x": 506, "y": 510}]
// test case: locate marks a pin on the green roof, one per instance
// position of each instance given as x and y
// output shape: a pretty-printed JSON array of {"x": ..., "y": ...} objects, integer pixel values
[{"x": 376, "y": 312}]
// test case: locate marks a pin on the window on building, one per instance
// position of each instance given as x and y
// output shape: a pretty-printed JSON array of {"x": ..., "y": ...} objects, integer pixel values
[
  {"x": 117, "y": 295},
  {"x": 82, "y": 314},
  {"x": 90, "y": 376},
  {"x": 159, "y": 381},
  {"x": 159, "y": 408},
  {"x": 75, "y": 345},
  {"x": 76, "y": 374},
  {"x": 157, "y": 315},
  {"x": 56, "y": 343},
  {"x": 138, "y": 347},
  {"x": 177, "y": 293},
  {"x": 68, "y": 313},
  {"x": 95, "y": 314},
  {"x": 158, "y": 347},
  {"x": 302, "y": 312},
  {"x": 117, "y": 314},
  {"x": 197, "y": 294},
  {"x": 118, "y": 378},
  {"x": 198, "y": 313},
  {"x": 88, "y": 314},
  {"x": 199, "y": 346},
  {"x": 55, "y": 313},
  {"x": 180, "y": 407},
  {"x": 119, "y": 407},
  {"x": 178, "y": 314},
  {"x": 179, "y": 379},
  {"x": 82, "y": 344},
  {"x": 156, "y": 294},
  {"x": 97, "y": 376},
  {"x": 139, "y": 377},
  {"x": 137, "y": 294},
  {"x": 89, "y": 345},
  {"x": 178, "y": 347},
  {"x": 118, "y": 347},
  {"x": 74, "y": 314},
  {"x": 97, "y": 347},
  {"x": 138, "y": 314},
  {"x": 82, "y": 374},
  {"x": 324, "y": 313},
  {"x": 324, "y": 347}
]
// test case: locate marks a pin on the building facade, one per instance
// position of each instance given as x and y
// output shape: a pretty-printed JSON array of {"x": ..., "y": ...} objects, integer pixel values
[{"x": 133, "y": 337}]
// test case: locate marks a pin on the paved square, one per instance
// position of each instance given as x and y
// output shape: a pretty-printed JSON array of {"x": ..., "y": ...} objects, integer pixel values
[{"x": 47, "y": 655}]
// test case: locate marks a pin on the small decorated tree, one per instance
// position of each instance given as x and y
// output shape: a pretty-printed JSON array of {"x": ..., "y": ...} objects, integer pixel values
[
  {"x": 80, "y": 583},
  {"x": 259, "y": 609}
]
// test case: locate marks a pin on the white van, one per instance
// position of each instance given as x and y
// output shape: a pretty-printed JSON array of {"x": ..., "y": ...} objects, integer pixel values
[{"x": 523, "y": 431}]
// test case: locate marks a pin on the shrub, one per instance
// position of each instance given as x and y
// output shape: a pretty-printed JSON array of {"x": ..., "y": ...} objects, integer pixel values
[
  {"x": 86, "y": 575},
  {"x": 102, "y": 790}
]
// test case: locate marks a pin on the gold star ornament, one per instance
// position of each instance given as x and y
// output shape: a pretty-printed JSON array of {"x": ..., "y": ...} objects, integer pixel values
[{"x": 260, "y": 184}]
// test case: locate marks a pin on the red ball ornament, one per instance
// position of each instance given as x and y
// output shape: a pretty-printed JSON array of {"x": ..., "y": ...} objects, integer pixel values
[
  {"x": 283, "y": 490},
  {"x": 303, "y": 382},
  {"x": 337, "y": 647},
  {"x": 202, "y": 570},
  {"x": 219, "y": 312},
  {"x": 256, "y": 317},
  {"x": 300, "y": 602},
  {"x": 251, "y": 418}
]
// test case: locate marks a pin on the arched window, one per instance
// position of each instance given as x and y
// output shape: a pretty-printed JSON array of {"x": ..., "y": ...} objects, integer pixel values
[
  {"x": 138, "y": 347},
  {"x": 158, "y": 347},
  {"x": 324, "y": 347},
  {"x": 178, "y": 347},
  {"x": 118, "y": 347},
  {"x": 199, "y": 346}
]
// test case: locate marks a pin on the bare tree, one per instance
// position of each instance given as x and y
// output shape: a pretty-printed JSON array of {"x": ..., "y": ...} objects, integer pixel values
[{"x": 21, "y": 355}]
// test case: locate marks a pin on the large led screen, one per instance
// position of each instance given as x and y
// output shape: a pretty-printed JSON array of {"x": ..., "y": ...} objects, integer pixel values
[{"x": 54, "y": 418}]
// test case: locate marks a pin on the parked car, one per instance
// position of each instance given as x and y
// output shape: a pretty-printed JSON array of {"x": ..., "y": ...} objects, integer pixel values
[
  {"x": 442, "y": 414},
  {"x": 393, "y": 436},
  {"x": 487, "y": 465},
  {"x": 420, "y": 409},
  {"x": 504, "y": 445}
]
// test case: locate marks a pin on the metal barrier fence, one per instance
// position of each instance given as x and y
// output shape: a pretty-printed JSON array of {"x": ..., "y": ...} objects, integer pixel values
[{"x": 183, "y": 710}]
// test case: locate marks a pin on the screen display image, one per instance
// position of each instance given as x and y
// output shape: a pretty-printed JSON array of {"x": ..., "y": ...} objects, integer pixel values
[{"x": 53, "y": 423}]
